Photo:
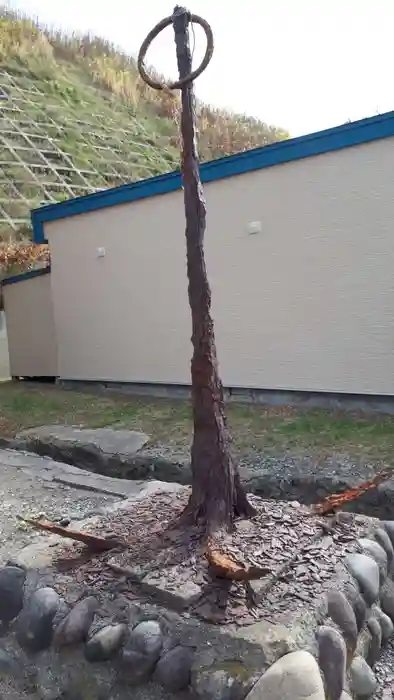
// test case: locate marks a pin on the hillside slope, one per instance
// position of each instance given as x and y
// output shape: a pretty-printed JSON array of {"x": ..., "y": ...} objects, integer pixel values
[{"x": 75, "y": 118}]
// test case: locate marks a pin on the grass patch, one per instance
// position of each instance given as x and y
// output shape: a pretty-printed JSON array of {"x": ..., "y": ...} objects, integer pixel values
[{"x": 272, "y": 430}]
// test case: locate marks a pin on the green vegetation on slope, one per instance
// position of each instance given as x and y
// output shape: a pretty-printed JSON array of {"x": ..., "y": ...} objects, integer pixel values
[{"x": 75, "y": 118}]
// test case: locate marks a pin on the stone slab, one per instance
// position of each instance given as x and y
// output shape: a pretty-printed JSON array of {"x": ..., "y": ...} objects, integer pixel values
[
  {"x": 128, "y": 455},
  {"x": 96, "y": 482},
  {"x": 49, "y": 470},
  {"x": 115, "y": 453},
  {"x": 106, "y": 440},
  {"x": 178, "y": 596},
  {"x": 37, "y": 555}
]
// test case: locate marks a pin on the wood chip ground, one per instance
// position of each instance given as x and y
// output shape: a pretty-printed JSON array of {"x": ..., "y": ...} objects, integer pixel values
[{"x": 283, "y": 537}]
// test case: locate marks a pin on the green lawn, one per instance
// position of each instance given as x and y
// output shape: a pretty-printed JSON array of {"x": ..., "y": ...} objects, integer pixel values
[{"x": 276, "y": 430}]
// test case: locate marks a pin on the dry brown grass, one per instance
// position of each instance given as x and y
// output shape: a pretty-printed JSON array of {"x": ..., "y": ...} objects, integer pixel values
[
  {"x": 112, "y": 70},
  {"x": 17, "y": 257},
  {"x": 22, "y": 256}
]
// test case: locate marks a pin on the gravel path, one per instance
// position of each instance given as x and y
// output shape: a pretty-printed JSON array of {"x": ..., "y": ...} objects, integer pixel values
[
  {"x": 384, "y": 671},
  {"x": 24, "y": 492}
]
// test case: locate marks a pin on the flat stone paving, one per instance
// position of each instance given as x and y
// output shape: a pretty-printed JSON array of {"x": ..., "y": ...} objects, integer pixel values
[{"x": 129, "y": 455}]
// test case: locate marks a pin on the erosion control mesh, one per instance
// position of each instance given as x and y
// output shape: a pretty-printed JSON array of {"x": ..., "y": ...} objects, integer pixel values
[{"x": 51, "y": 151}]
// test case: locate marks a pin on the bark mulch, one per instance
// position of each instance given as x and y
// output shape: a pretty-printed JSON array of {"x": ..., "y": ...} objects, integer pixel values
[{"x": 167, "y": 561}]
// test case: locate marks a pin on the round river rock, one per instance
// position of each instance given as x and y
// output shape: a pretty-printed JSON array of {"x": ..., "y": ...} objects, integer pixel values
[
  {"x": 295, "y": 676},
  {"x": 74, "y": 628},
  {"x": 12, "y": 583},
  {"x": 332, "y": 660},
  {"x": 362, "y": 679},
  {"x": 376, "y": 552},
  {"x": 383, "y": 539},
  {"x": 34, "y": 628},
  {"x": 142, "y": 651},
  {"x": 342, "y": 613},
  {"x": 173, "y": 670},
  {"x": 105, "y": 643},
  {"x": 387, "y": 598},
  {"x": 366, "y": 572},
  {"x": 357, "y": 602},
  {"x": 375, "y": 644},
  {"x": 385, "y": 623}
]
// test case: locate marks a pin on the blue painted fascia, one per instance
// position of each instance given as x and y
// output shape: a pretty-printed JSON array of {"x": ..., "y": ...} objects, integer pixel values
[
  {"x": 26, "y": 275},
  {"x": 344, "y": 136}
]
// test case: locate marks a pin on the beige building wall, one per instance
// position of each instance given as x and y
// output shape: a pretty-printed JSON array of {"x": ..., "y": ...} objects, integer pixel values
[
  {"x": 307, "y": 304},
  {"x": 30, "y": 327},
  {"x": 4, "y": 358}
]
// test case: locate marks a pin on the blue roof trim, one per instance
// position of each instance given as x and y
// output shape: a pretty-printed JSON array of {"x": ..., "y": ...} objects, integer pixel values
[
  {"x": 27, "y": 275},
  {"x": 344, "y": 136}
]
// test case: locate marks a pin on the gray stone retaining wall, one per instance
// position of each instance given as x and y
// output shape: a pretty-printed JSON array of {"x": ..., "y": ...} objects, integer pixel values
[{"x": 108, "y": 650}]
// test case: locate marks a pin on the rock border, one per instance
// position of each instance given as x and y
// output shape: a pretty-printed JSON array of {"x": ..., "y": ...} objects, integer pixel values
[{"x": 356, "y": 625}]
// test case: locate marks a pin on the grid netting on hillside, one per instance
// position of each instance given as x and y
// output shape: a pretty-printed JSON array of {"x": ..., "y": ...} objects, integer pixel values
[{"x": 51, "y": 151}]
